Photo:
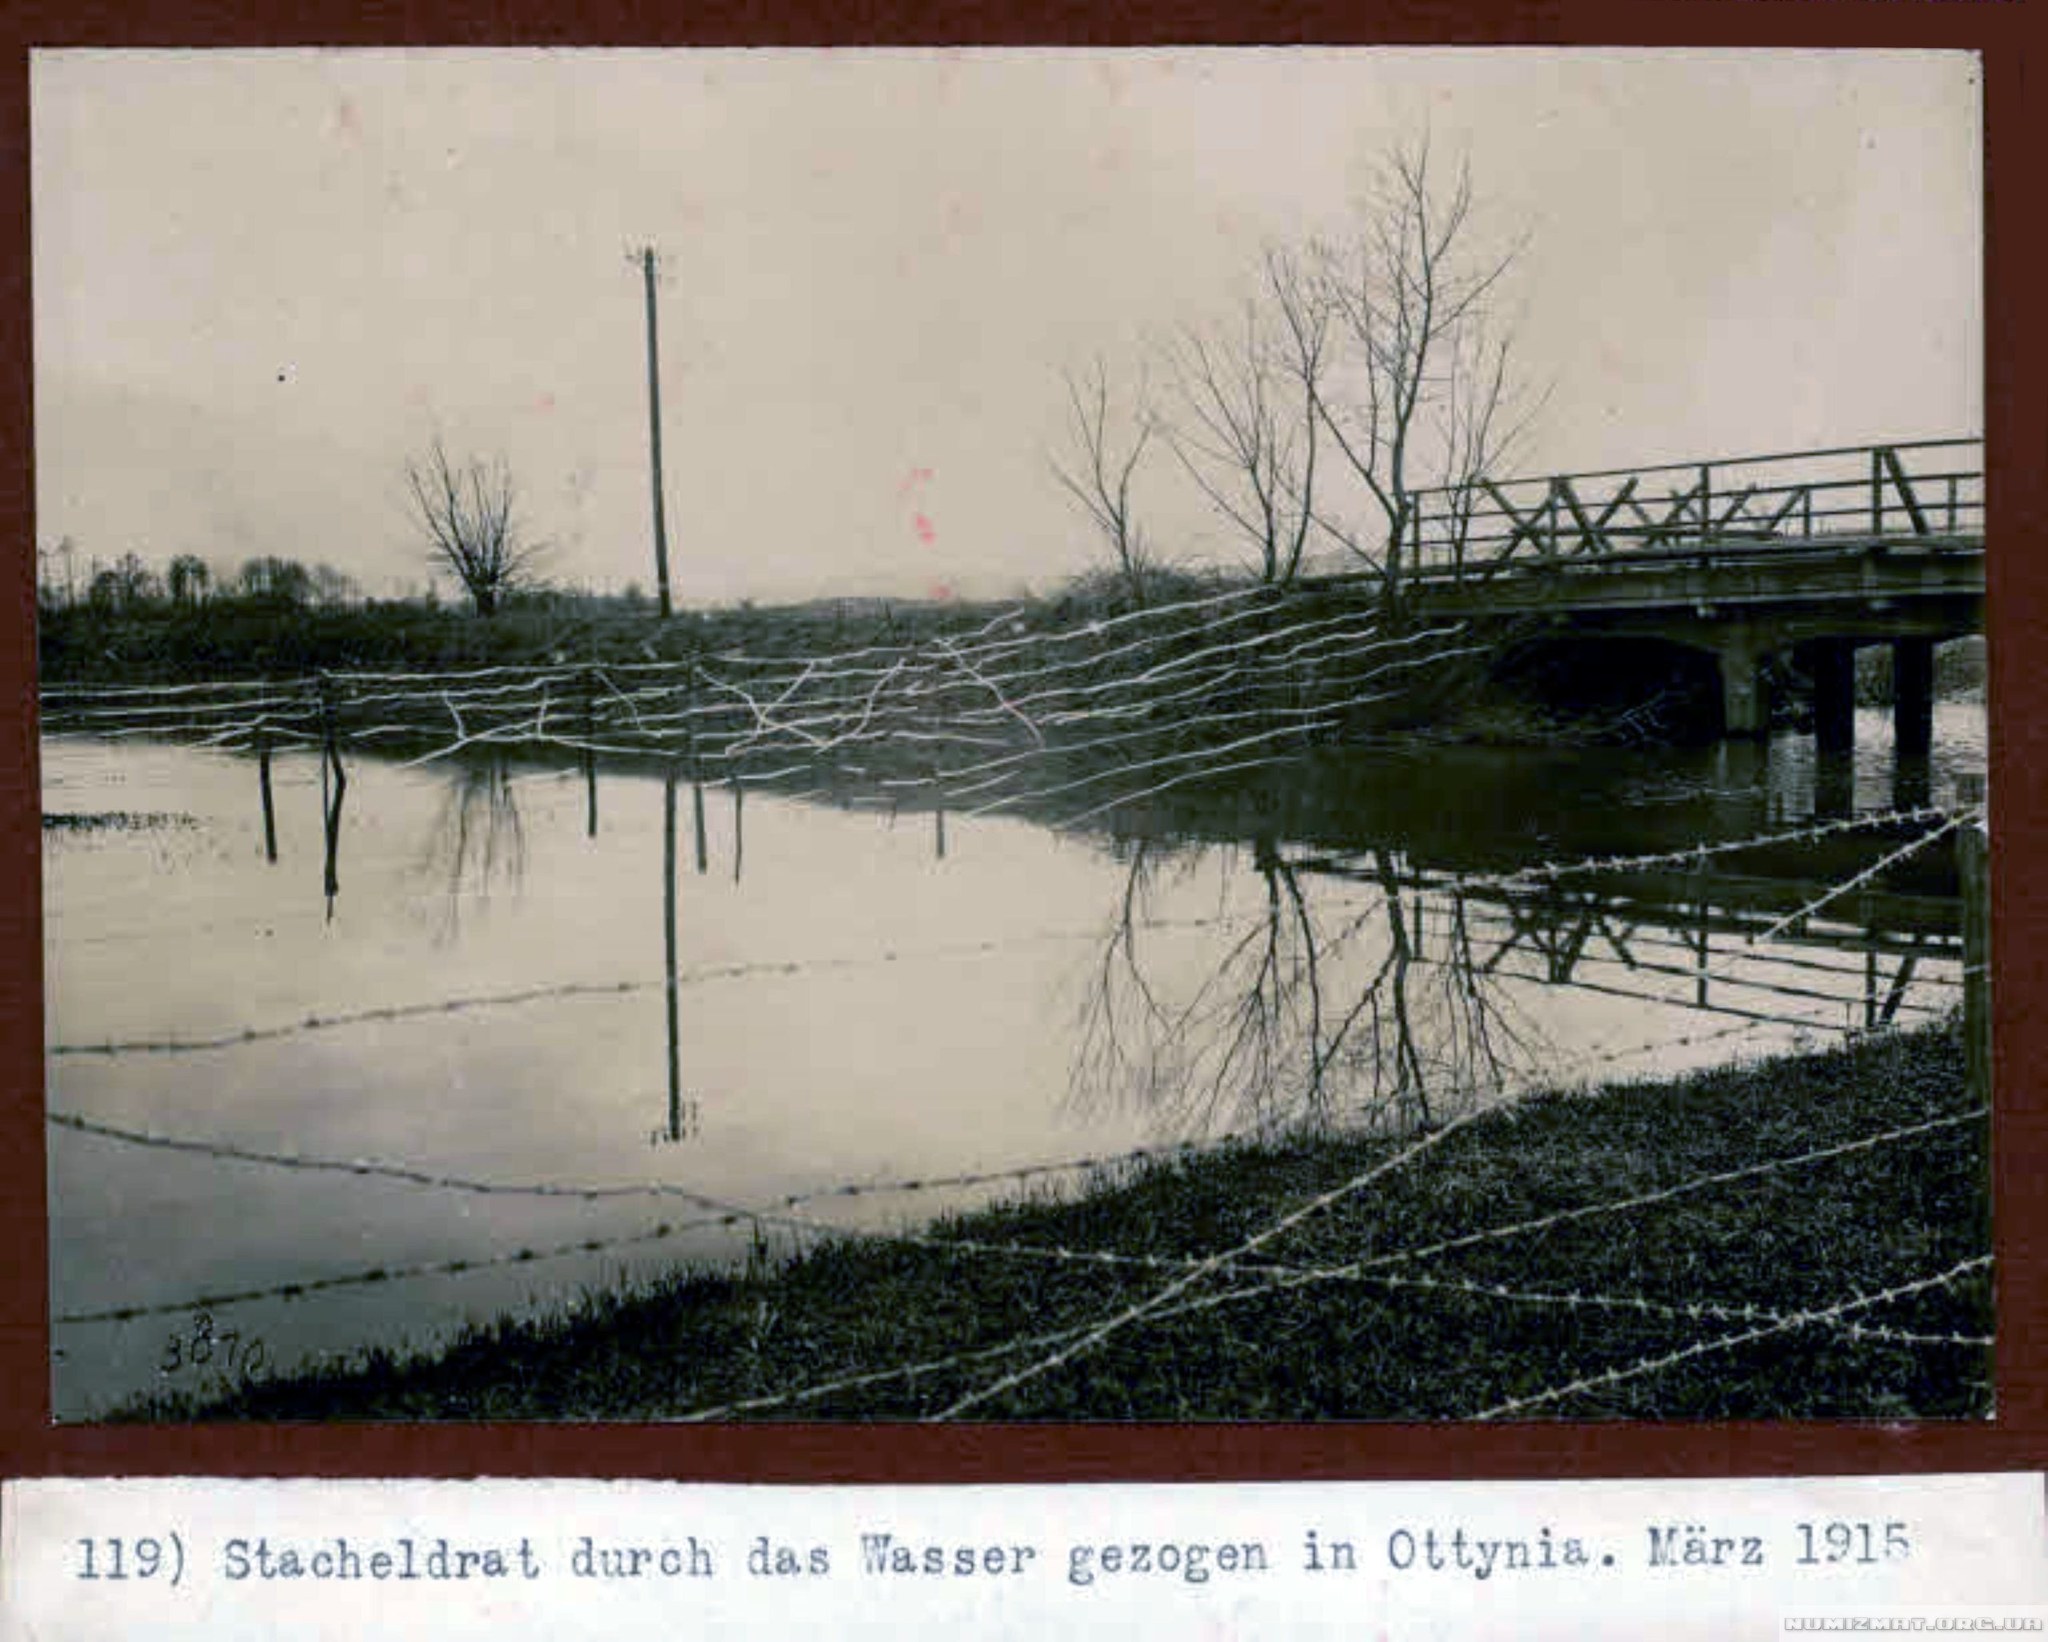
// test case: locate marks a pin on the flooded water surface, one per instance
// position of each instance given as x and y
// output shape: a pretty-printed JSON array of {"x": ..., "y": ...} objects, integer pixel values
[{"x": 484, "y": 1036}]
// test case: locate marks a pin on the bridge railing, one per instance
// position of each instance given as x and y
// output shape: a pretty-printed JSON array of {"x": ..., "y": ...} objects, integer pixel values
[{"x": 1927, "y": 488}]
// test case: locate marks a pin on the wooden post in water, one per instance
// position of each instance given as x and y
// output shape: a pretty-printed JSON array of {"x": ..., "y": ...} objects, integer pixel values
[
  {"x": 668, "y": 934},
  {"x": 590, "y": 753},
  {"x": 697, "y": 809},
  {"x": 1973, "y": 864},
  {"x": 269, "y": 807}
]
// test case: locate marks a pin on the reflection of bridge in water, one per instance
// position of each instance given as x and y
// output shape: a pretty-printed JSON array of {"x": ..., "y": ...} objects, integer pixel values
[
  {"x": 1751, "y": 945},
  {"x": 1344, "y": 983}
]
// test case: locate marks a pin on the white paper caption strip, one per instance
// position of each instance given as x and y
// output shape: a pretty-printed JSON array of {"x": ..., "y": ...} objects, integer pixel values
[{"x": 1716, "y": 1559}]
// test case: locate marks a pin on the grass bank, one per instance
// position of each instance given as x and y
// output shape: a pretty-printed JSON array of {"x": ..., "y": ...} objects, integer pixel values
[
  {"x": 229, "y": 636},
  {"x": 1699, "y": 1248}
]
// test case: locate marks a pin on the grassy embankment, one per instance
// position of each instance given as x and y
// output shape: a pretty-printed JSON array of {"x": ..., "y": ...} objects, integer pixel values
[
  {"x": 1788, "y": 1240},
  {"x": 1293, "y": 671},
  {"x": 248, "y": 637},
  {"x": 230, "y": 637}
]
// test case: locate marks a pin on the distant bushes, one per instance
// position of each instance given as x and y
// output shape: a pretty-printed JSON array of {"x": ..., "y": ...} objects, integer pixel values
[{"x": 259, "y": 637}]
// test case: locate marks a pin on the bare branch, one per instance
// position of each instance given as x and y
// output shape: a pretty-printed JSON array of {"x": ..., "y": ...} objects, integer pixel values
[
  {"x": 1431, "y": 394},
  {"x": 1097, "y": 474},
  {"x": 1249, "y": 434}
]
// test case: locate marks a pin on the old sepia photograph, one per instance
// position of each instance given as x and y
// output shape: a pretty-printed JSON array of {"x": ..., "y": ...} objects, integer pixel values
[{"x": 1051, "y": 735}]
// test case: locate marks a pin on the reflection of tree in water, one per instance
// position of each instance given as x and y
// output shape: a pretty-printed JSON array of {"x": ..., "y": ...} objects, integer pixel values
[
  {"x": 1375, "y": 1012},
  {"x": 1122, "y": 1020},
  {"x": 477, "y": 838}
]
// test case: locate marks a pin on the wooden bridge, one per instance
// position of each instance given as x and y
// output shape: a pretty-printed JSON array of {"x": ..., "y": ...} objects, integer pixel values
[{"x": 1793, "y": 557}]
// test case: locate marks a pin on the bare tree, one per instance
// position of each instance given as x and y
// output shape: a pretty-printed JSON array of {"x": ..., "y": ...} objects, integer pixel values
[
  {"x": 1251, "y": 427},
  {"x": 1429, "y": 395},
  {"x": 467, "y": 514},
  {"x": 1097, "y": 466}
]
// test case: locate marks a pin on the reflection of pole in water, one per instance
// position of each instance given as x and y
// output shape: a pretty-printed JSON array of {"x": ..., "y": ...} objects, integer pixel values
[
  {"x": 1703, "y": 935},
  {"x": 739, "y": 797},
  {"x": 697, "y": 815},
  {"x": 331, "y": 809},
  {"x": 269, "y": 808},
  {"x": 1699, "y": 935},
  {"x": 590, "y": 755},
  {"x": 668, "y": 927},
  {"x": 939, "y": 828}
]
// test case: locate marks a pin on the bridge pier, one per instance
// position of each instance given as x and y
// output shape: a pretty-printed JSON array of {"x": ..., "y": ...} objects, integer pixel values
[
  {"x": 1745, "y": 698},
  {"x": 1834, "y": 786},
  {"x": 1834, "y": 695},
  {"x": 1912, "y": 699}
]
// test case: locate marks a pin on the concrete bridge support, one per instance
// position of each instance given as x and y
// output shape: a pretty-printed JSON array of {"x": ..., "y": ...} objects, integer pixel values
[
  {"x": 1745, "y": 697},
  {"x": 1741, "y": 652}
]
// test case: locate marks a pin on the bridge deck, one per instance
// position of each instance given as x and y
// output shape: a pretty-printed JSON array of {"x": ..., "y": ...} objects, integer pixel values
[{"x": 1822, "y": 508}]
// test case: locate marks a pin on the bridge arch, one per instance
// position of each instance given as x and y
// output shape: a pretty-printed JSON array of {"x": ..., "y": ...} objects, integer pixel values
[{"x": 1593, "y": 672}]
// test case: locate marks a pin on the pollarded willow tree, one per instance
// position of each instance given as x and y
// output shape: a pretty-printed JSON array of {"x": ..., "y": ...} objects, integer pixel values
[{"x": 467, "y": 513}]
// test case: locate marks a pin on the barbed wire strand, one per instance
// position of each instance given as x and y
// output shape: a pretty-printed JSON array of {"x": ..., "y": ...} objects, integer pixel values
[
  {"x": 1137, "y": 1312},
  {"x": 660, "y": 1232},
  {"x": 1349, "y": 1270},
  {"x": 1729, "y": 1342}
]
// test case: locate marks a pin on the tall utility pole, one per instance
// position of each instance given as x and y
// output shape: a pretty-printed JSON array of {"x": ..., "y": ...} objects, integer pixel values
[{"x": 654, "y": 432}]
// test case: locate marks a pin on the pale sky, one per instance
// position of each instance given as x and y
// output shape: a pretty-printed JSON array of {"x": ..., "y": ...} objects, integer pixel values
[{"x": 265, "y": 279}]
